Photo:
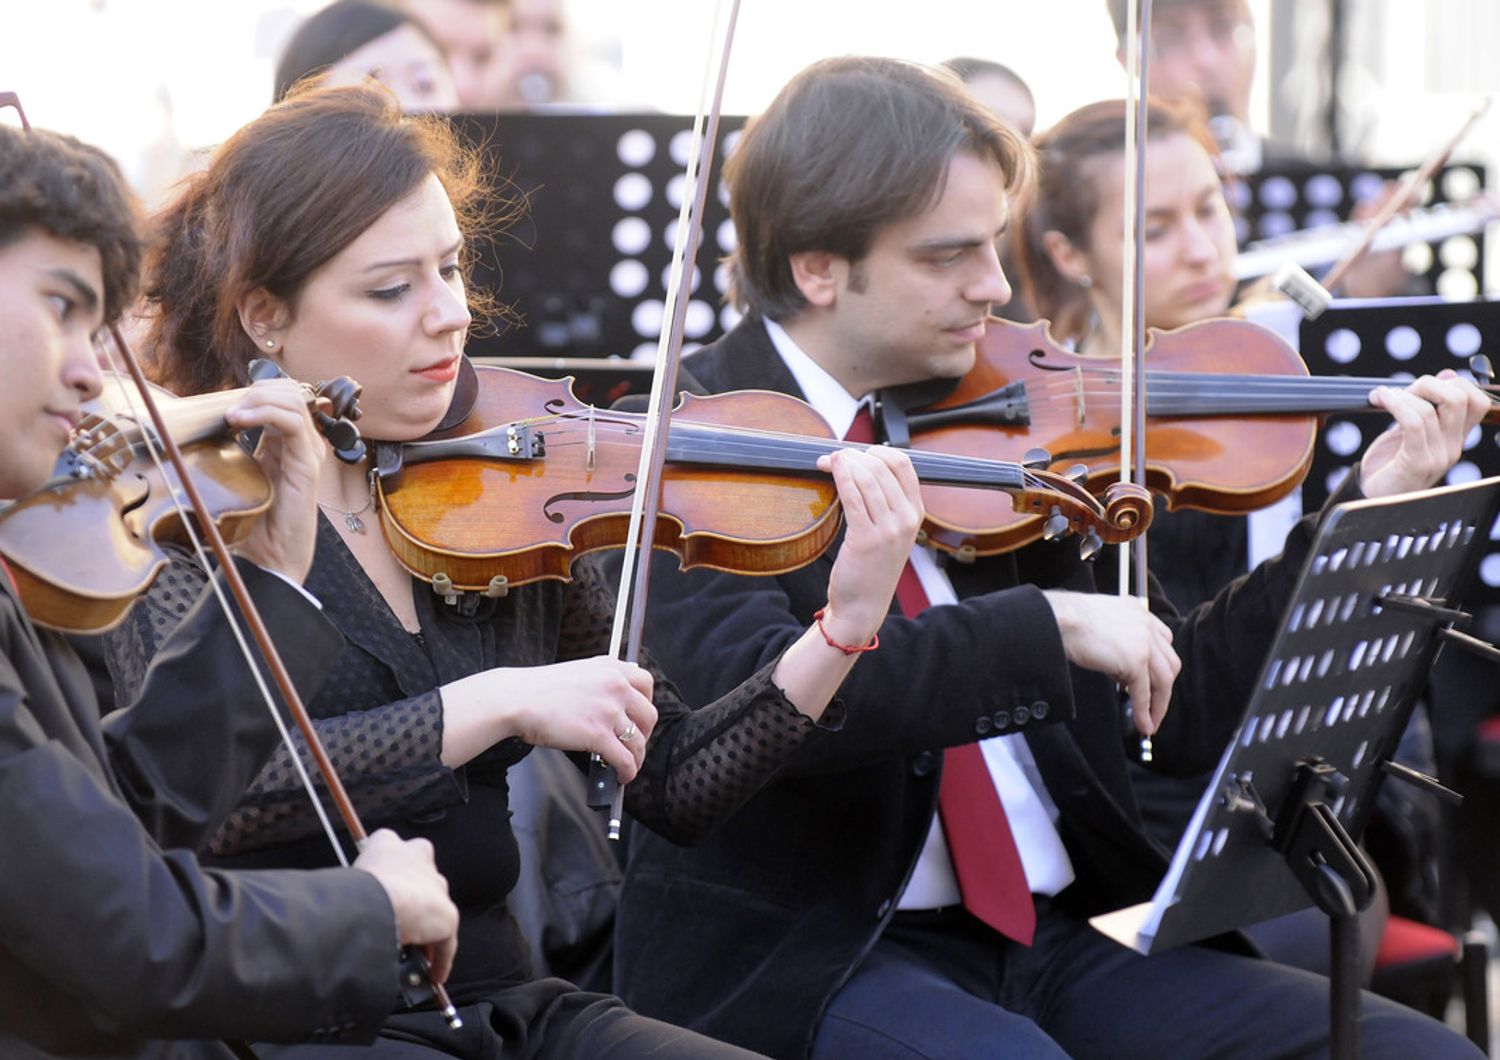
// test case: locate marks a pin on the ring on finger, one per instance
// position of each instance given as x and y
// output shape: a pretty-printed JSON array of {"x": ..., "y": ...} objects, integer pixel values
[{"x": 627, "y": 734}]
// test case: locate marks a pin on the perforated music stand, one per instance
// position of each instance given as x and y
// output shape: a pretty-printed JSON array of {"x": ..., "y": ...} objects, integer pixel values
[{"x": 1274, "y": 831}]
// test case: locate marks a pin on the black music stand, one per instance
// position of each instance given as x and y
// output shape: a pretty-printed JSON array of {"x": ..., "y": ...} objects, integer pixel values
[{"x": 1275, "y": 831}]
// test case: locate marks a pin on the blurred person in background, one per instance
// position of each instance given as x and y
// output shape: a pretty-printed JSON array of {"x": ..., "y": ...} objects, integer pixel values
[
  {"x": 999, "y": 88},
  {"x": 471, "y": 34},
  {"x": 350, "y": 40}
]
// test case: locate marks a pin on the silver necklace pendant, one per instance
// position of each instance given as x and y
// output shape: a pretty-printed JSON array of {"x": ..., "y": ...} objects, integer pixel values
[{"x": 354, "y": 523}]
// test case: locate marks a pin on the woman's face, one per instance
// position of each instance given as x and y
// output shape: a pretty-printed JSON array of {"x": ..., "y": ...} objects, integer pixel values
[
  {"x": 1189, "y": 248},
  {"x": 407, "y": 63},
  {"x": 389, "y": 311}
]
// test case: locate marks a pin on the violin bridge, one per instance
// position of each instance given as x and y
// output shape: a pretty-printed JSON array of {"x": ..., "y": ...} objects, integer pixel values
[
  {"x": 589, "y": 461},
  {"x": 1079, "y": 404}
]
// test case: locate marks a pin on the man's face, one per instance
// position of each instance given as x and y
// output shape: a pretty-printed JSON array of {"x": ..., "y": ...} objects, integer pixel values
[
  {"x": 533, "y": 53},
  {"x": 51, "y": 304},
  {"x": 915, "y": 305},
  {"x": 1206, "y": 52},
  {"x": 470, "y": 34}
]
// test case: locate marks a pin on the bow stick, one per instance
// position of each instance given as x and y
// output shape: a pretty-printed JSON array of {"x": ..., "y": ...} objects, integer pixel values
[
  {"x": 1133, "y": 296},
  {"x": 415, "y": 981},
  {"x": 635, "y": 576},
  {"x": 414, "y": 977}
]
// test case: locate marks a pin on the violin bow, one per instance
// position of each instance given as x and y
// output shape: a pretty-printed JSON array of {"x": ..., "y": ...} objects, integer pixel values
[
  {"x": 1405, "y": 195},
  {"x": 1133, "y": 297},
  {"x": 641, "y": 534},
  {"x": 414, "y": 975},
  {"x": 415, "y": 980}
]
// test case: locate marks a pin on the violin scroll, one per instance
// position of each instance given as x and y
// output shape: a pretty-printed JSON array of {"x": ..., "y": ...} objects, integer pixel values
[
  {"x": 1120, "y": 514},
  {"x": 337, "y": 424}
]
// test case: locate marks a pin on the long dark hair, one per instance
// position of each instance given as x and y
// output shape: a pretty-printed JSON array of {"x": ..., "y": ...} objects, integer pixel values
[
  {"x": 849, "y": 146},
  {"x": 279, "y": 199}
]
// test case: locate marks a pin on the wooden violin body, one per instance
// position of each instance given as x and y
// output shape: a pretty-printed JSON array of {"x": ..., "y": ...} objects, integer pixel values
[
  {"x": 1232, "y": 417},
  {"x": 87, "y": 544},
  {"x": 533, "y": 478}
]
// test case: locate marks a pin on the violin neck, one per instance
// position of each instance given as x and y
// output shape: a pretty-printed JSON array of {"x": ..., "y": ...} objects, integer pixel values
[
  {"x": 1211, "y": 394},
  {"x": 691, "y": 443}
]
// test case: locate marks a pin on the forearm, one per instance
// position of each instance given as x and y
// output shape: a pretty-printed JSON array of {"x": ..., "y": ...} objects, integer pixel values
[{"x": 199, "y": 727}]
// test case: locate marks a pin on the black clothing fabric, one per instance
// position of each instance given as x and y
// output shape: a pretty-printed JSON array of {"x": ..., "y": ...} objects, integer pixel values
[
  {"x": 747, "y": 936},
  {"x": 381, "y": 715},
  {"x": 111, "y": 934}
]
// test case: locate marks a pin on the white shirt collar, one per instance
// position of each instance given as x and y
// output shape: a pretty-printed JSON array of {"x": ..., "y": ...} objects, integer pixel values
[{"x": 821, "y": 390}]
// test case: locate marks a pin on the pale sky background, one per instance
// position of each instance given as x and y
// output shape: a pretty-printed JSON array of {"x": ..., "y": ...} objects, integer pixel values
[
  {"x": 154, "y": 80},
  {"x": 107, "y": 70}
]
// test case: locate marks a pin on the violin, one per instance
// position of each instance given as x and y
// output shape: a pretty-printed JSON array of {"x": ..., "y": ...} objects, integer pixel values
[
  {"x": 85, "y": 545},
  {"x": 532, "y": 478},
  {"x": 1231, "y": 421}
]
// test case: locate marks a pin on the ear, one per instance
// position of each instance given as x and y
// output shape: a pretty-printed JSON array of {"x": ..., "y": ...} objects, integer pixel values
[
  {"x": 263, "y": 317},
  {"x": 818, "y": 275},
  {"x": 1066, "y": 258}
]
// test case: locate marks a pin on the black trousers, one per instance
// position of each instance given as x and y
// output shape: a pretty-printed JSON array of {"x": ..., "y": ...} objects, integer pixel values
[
  {"x": 543, "y": 1020},
  {"x": 943, "y": 985}
]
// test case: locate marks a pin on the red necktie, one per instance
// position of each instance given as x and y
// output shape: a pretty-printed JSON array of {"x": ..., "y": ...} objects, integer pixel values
[{"x": 985, "y": 859}]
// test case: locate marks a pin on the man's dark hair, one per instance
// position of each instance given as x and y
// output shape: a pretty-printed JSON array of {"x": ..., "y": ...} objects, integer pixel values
[
  {"x": 848, "y": 147},
  {"x": 65, "y": 188}
]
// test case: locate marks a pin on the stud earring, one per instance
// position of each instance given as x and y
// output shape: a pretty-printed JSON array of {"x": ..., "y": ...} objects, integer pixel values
[
  {"x": 1085, "y": 280},
  {"x": 270, "y": 344}
]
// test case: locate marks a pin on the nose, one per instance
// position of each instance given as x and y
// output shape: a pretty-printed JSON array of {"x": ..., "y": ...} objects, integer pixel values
[
  {"x": 990, "y": 286},
  {"x": 449, "y": 310},
  {"x": 80, "y": 368},
  {"x": 1199, "y": 245}
]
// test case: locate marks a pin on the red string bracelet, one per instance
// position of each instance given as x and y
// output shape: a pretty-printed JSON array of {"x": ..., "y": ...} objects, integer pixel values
[{"x": 847, "y": 649}]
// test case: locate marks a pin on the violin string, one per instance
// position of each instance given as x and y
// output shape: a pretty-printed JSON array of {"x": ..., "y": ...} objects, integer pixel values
[{"x": 234, "y": 623}]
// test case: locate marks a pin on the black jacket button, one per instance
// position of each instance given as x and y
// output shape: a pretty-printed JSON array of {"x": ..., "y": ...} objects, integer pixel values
[
  {"x": 1002, "y": 720},
  {"x": 1021, "y": 715},
  {"x": 983, "y": 725},
  {"x": 1039, "y": 709},
  {"x": 924, "y": 763}
]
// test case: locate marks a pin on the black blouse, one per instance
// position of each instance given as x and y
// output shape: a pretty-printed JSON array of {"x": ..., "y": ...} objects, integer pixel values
[{"x": 380, "y": 717}]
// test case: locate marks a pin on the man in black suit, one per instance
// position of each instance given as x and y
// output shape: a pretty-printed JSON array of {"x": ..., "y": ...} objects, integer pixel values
[
  {"x": 113, "y": 940},
  {"x": 842, "y": 913}
]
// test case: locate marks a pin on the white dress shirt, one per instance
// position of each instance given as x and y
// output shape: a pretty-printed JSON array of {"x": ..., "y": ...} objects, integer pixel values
[{"x": 1029, "y": 809}]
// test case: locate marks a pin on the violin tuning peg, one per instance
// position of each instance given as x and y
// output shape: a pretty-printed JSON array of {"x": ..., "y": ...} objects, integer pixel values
[
  {"x": 1036, "y": 459},
  {"x": 1484, "y": 372},
  {"x": 343, "y": 394},
  {"x": 1056, "y": 525},
  {"x": 1079, "y": 473},
  {"x": 261, "y": 368},
  {"x": 1089, "y": 547}
]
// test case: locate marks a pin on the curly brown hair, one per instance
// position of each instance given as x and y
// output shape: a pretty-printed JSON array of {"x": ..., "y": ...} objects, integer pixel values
[
  {"x": 281, "y": 198},
  {"x": 53, "y": 183}
]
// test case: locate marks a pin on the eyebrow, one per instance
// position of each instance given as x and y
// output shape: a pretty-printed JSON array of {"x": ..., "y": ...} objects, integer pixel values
[
  {"x": 81, "y": 287},
  {"x": 454, "y": 249},
  {"x": 942, "y": 243},
  {"x": 1206, "y": 195}
]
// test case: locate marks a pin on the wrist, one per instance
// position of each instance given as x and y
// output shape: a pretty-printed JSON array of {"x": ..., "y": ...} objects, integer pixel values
[{"x": 848, "y": 636}]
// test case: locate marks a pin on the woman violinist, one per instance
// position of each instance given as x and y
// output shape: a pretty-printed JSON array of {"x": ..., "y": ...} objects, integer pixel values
[
  {"x": 330, "y": 234},
  {"x": 114, "y": 939},
  {"x": 1071, "y": 253}
]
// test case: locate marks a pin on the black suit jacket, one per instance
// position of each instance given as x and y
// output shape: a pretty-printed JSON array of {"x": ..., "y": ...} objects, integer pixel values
[
  {"x": 110, "y": 934},
  {"x": 748, "y": 935}
]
